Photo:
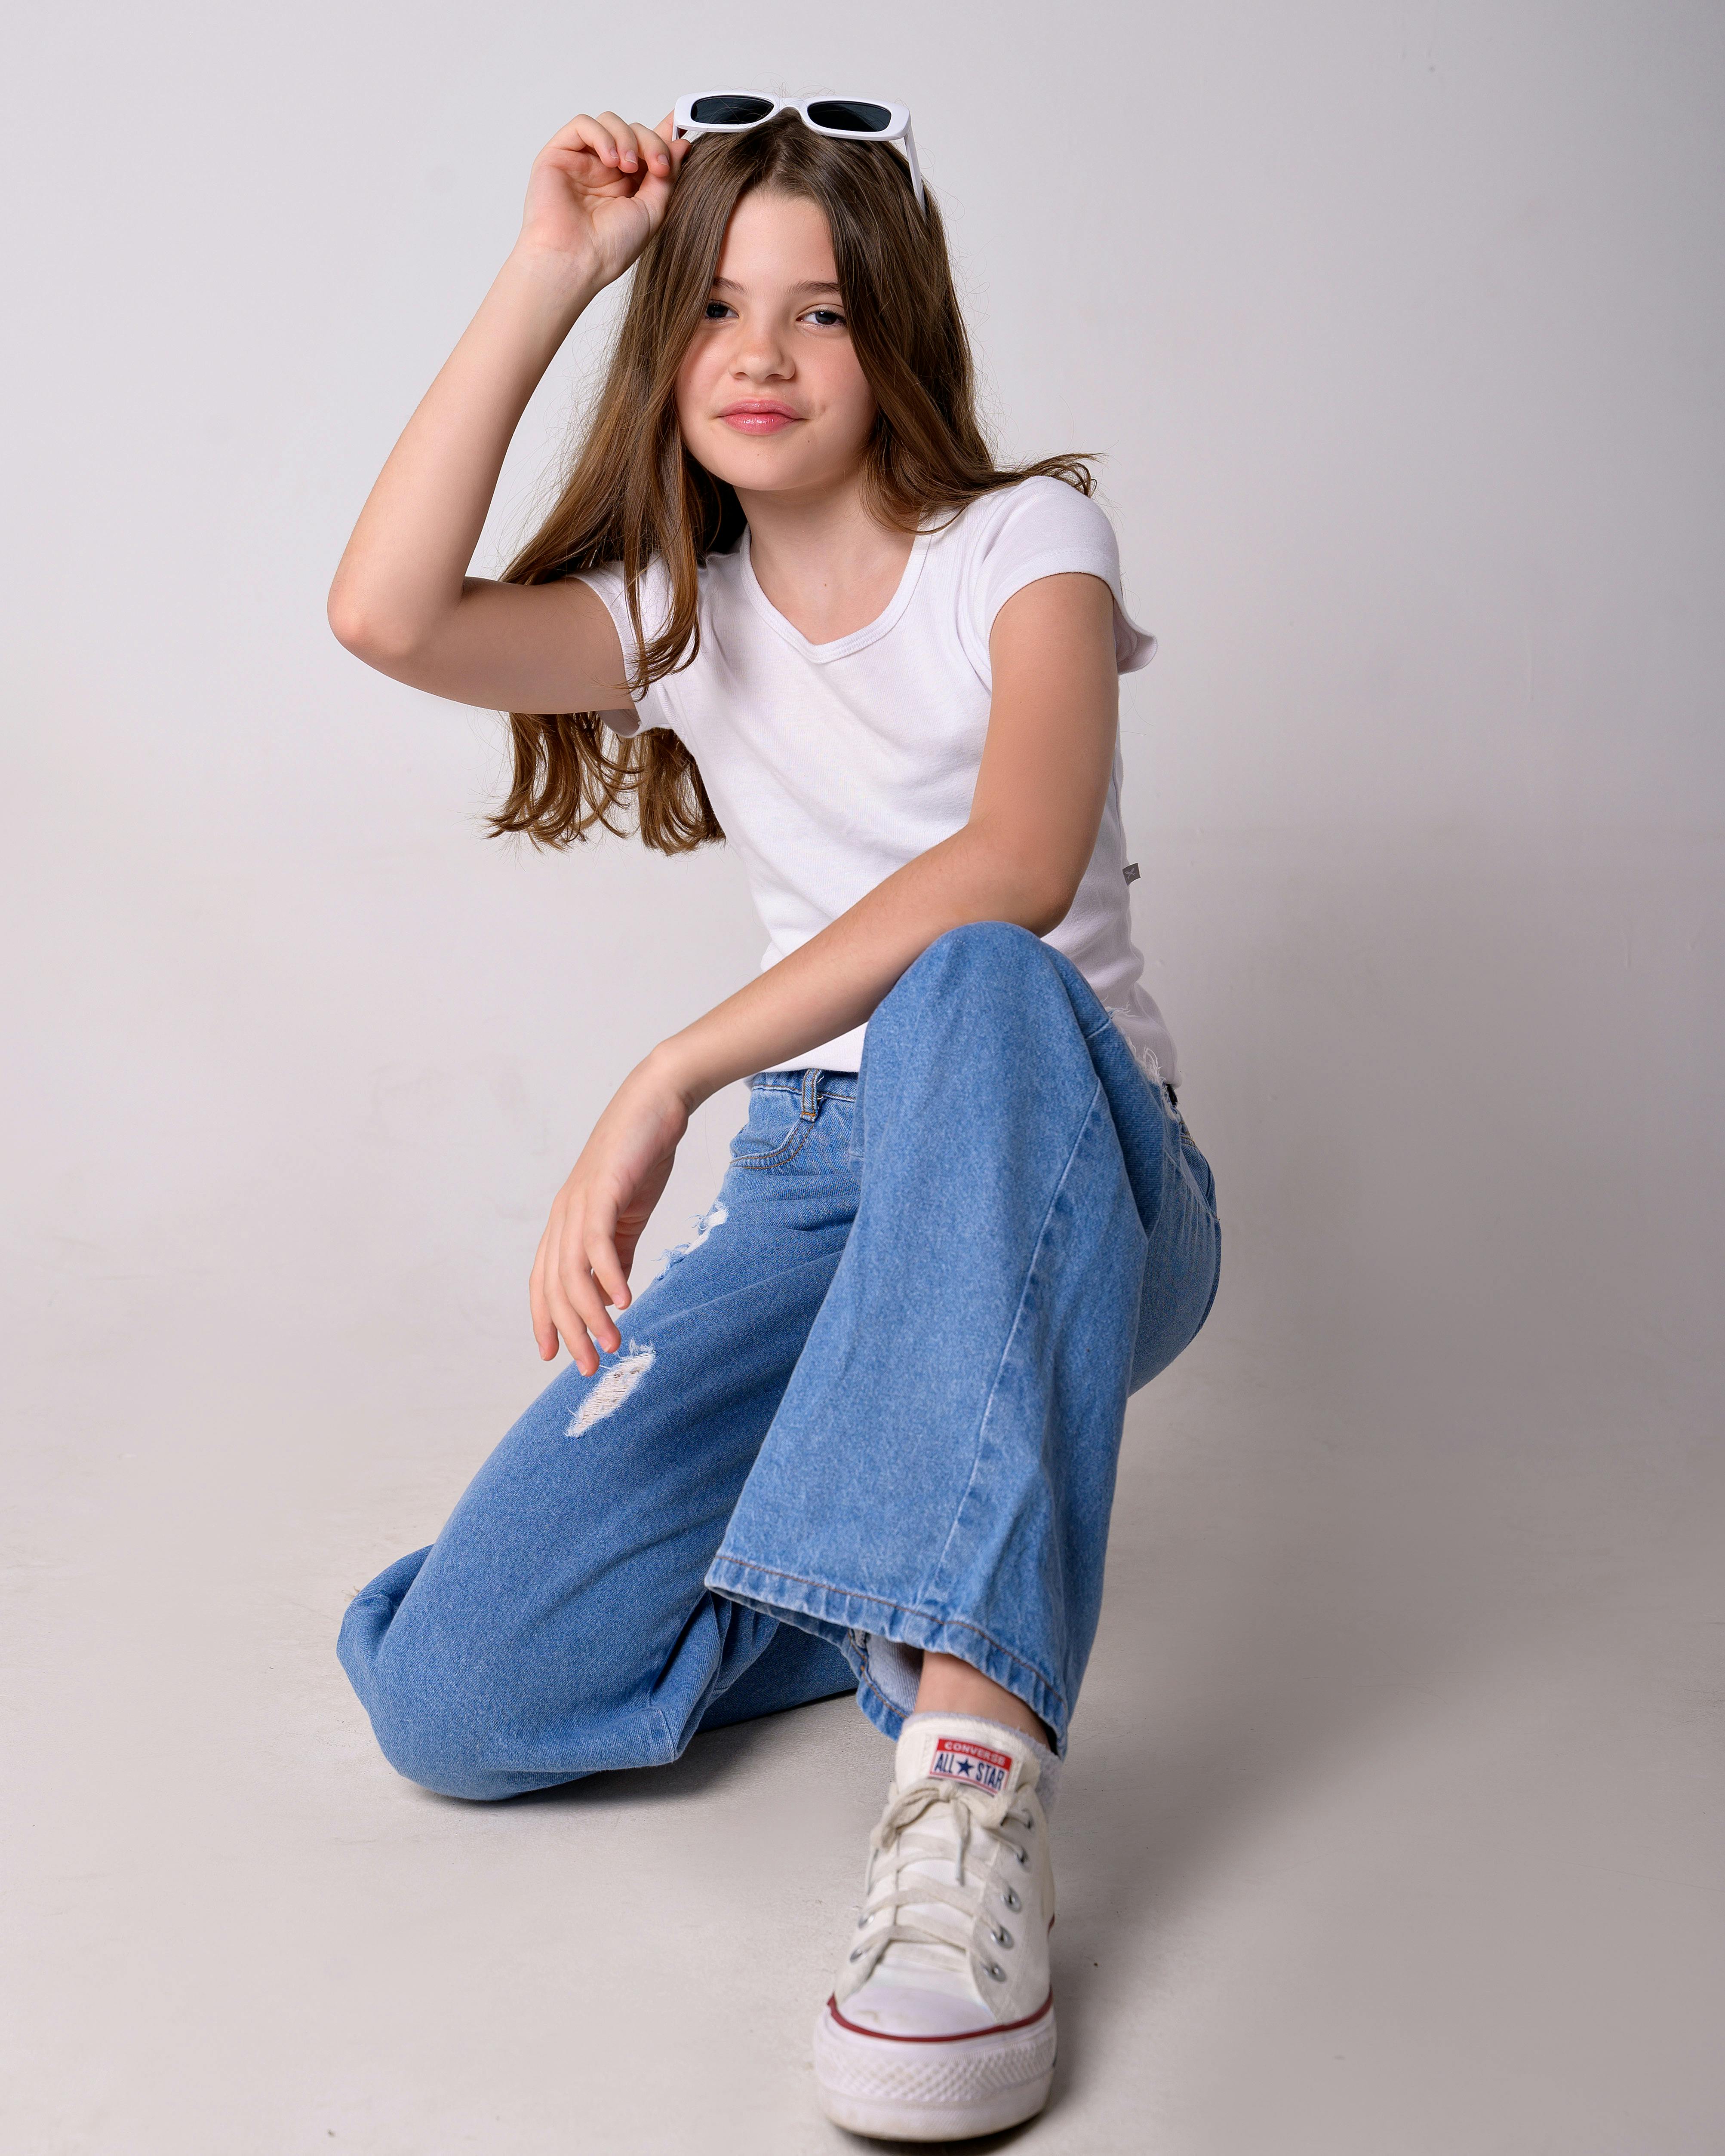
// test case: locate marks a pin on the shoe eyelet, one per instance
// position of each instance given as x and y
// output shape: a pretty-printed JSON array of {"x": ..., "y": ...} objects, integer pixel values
[
  {"x": 1002, "y": 1937},
  {"x": 996, "y": 1971},
  {"x": 1022, "y": 1856},
  {"x": 1011, "y": 1899},
  {"x": 856, "y": 1953}
]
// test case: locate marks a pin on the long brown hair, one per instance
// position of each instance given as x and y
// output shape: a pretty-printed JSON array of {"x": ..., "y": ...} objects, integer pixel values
[{"x": 635, "y": 492}]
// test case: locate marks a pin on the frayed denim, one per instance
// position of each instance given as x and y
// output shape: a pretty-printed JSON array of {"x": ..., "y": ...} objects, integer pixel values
[{"x": 874, "y": 1405}]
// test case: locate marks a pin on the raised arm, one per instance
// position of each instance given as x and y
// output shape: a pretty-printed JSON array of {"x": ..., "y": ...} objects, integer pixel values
[
  {"x": 401, "y": 599},
  {"x": 1020, "y": 857}
]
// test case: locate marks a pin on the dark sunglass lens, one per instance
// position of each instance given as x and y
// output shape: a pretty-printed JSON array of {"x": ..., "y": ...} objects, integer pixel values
[
  {"x": 845, "y": 112},
  {"x": 728, "y": 111}
]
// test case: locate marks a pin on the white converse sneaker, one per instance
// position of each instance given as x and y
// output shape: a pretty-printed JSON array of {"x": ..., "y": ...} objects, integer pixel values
[{"x": 941, "y": 2023}]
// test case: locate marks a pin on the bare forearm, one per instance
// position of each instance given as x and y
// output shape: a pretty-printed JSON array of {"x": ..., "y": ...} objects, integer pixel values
[
  {"x": 403, "y": 568},
  {"x": 834, "y": 981}
]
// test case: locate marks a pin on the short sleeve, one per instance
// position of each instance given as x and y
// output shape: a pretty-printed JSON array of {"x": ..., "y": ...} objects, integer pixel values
[
  {"x": 1042, "y": 527},
  {"x": 650, "y": 708}
]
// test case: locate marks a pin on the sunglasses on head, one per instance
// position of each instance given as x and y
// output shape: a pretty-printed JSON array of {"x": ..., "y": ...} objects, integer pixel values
[{"x": 851, "y": 119}]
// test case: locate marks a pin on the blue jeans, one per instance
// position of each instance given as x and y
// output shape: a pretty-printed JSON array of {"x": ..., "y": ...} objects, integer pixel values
[{"x": 874, "y": 1405}]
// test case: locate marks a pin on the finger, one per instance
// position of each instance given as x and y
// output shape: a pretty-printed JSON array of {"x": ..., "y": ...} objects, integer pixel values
[
  {"x": 658, "y": 173},
  {"x": 580, "y": 1293},
  {"x": 544, "y": 1331},
  {"x": 589, "y": 1297},
  {"x": 599, "y": 1246},
  {"x": 667, "y": 133},
  {"x": 584, "y": 132},
  {"x": 605, "y": 1266},
  {"x": 583, "y": 1293},
  {"x": 622, "y": 141},
  {"x": 535, "y": 1296},
  {"x": 656, "y": 154},
  {"x": 552, "y": 1315},
  {"x": 568, "y": 1321}
]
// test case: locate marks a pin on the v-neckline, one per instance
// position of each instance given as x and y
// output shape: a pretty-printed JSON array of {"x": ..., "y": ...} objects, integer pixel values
[{"x": 840, "y": 647}]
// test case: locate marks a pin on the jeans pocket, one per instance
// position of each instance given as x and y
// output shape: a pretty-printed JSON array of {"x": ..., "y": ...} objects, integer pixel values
[{"x": 776, "y": 1132}]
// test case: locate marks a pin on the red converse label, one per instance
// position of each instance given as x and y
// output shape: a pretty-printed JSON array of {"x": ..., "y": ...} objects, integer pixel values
[{"x": 957, "y": 1759}]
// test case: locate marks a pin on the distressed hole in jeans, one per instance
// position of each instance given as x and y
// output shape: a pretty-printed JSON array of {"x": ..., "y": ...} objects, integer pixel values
[
  {"x": 714, "y": 1216},
  {"x": 611, "y": 1389}
]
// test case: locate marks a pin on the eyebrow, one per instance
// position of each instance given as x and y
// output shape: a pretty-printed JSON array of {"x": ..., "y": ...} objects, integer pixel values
[{"x": 808, "y": 284}]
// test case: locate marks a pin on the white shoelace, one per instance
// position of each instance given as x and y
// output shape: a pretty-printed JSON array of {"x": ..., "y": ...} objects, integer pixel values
[{"x": 964, "y": 1813}]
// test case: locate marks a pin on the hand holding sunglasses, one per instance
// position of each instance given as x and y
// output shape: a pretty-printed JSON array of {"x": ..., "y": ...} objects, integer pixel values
[
  {"x": 601, "y": 186},
  {"x": 598, "y": 190}
]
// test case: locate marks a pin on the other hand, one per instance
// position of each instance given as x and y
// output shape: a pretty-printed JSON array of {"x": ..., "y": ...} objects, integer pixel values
[{"x": 597, "y": 1218}]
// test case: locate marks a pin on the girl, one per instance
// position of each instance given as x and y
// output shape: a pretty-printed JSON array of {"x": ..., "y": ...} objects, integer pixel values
[{"x": 860, "y": 1433}]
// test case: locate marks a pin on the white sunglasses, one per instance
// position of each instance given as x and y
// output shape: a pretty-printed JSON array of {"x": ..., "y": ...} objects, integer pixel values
[{"x": 851, "y": 119}]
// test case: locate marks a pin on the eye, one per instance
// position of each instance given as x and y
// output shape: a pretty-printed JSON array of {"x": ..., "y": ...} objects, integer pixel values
[
  {"x": 824, "y": 318},
  {"x": 717, "y": 311}
]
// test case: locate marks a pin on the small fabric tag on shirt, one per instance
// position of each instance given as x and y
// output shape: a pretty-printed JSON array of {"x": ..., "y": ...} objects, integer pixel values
[
  {"x": 1131, "y": 872},
  {"x": 957, "y": 1759}
]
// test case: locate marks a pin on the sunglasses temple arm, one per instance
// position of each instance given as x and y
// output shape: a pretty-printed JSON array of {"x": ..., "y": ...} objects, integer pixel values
[{"x": 916, "y": 169}]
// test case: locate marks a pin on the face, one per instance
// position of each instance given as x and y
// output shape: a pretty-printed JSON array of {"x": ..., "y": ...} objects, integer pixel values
[{"x": 770, "y": 395}]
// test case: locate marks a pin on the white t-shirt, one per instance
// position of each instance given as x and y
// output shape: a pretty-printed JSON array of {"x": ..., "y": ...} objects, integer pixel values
[{"x": 830, "y": 765}]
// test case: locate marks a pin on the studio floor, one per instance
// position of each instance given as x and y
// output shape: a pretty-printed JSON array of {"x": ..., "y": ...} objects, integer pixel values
[{"x": 1390, "y": 1827}]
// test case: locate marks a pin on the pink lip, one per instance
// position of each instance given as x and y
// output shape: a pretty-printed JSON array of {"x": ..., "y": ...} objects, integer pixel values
[{"x": 758, "y": 416}]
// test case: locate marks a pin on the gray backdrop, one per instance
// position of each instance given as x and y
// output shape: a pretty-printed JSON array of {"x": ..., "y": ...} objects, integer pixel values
[{"x": 1399, "y": 329}]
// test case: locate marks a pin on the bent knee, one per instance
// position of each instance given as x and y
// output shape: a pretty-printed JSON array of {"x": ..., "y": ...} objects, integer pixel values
[
  {"x": 437, "y": 1741},
  {"x": 984, "y": 963},
  {"x": 988, "y": 943},
  {"x": 982, "y": 958},
  {"x": 470, "y": 1733}
]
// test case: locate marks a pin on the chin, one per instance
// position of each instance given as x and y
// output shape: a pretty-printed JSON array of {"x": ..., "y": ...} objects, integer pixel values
[{"x": 762, "y": 471}]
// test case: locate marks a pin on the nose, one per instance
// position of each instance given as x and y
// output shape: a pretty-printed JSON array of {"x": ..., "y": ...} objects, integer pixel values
[{"x": 760, "y": 354}]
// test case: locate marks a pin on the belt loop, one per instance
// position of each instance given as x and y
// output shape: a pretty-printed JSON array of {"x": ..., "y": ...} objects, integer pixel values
[{"x": 811, "y": 1095}]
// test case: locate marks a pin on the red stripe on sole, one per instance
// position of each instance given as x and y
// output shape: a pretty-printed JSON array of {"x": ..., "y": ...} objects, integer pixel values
[{"x": 958, "y": 2036}]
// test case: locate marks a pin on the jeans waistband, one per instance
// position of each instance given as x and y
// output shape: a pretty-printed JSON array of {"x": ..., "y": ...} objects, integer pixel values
[
  {"x": 841, "y": 1085},
  {"x": 814, "y": 1085}
]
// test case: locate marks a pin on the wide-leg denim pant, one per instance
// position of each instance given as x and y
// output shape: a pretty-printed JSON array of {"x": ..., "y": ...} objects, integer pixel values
[{"x": 874, "y": 1405}]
